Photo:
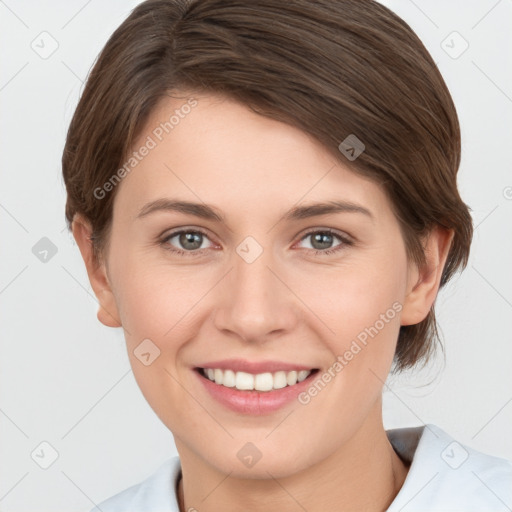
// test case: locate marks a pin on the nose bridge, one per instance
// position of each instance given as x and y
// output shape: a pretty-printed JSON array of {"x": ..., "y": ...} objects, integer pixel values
[{"x": 255, "y": 303}]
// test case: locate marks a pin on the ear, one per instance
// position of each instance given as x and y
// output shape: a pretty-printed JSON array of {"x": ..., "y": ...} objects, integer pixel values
[
  {"x": 107, "y": 312},
  {"x": 423, "y": 284}
]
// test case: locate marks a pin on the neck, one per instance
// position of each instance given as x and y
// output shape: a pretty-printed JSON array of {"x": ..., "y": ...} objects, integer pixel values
[{"x": 364, "y": 475}]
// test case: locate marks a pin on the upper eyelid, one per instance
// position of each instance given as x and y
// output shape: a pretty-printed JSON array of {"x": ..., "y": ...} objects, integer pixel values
[
  {"x": 169, "y": 234},
  {"x": 332, "y": 231}
]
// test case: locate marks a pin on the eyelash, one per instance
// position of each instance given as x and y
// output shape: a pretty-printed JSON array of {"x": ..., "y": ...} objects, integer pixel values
[{"x": 346, "y": 242}]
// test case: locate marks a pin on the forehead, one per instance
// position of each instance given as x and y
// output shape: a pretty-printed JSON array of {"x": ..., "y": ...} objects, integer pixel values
[{"x": 211, "y": 148}]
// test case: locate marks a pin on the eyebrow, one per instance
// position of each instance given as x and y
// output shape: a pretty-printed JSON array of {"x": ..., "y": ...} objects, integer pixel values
[
  {"x": 324, "y": 208},
  {"x": 198, "y": 209},
  {"x": 207, "y": 212}
]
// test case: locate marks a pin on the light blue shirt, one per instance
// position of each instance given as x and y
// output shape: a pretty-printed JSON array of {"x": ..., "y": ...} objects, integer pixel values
[{"x": 444, "y": 476}]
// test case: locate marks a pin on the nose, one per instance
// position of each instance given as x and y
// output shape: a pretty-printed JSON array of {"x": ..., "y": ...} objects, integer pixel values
[{"x": 255, "y": 302}]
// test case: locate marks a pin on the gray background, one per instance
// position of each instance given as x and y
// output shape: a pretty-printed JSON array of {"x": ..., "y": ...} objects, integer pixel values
[{"x": 65, "y": 379}]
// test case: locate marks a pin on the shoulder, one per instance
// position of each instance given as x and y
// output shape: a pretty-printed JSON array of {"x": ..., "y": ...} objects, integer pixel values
[
  {"x": 446, "y": 475},
  {"x": 157, "y": 493}
]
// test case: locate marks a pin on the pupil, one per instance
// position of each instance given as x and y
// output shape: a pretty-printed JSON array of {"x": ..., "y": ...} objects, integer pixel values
[
  {"x": 191, "y": 240},
  {"x": 323, "y": 239}
]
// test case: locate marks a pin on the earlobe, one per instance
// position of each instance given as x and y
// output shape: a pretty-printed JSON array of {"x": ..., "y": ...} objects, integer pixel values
[
  {"x": 423, "y": 284},
  {"x": 106, "y": 316},
  {"x": 107, "y": 312}
]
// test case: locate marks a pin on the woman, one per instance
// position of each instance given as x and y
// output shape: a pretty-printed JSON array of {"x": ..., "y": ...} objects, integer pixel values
[{"x": 264, "y": 195}]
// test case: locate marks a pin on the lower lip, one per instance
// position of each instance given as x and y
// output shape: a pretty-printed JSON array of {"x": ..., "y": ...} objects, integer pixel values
[{"x": 254, "y": 402}]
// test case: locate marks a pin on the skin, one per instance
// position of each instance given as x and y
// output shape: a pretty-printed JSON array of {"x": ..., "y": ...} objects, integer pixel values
[{"x": 290, "y": 304}]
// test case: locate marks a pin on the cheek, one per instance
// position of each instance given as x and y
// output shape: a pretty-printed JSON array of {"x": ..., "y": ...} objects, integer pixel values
[
  {"x": 153, "y": 301},
  {"x": 158, "y": 314},
  {"x": 356, "y": 299},
  {"x": 161, "y": 311}
]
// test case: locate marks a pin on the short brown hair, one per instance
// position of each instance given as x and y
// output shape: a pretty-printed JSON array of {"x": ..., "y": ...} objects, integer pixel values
[{"x": 332, "y": 68}]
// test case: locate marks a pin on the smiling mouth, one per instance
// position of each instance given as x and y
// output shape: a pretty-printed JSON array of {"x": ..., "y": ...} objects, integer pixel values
[{"x": 244, "y": 381}]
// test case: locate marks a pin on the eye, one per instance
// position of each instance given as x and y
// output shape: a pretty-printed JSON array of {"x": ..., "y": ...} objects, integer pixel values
[
  {"x": 186, "y": 242},
  {"x": 191, "y": 242},
  {"x": 321, "y": 241}
]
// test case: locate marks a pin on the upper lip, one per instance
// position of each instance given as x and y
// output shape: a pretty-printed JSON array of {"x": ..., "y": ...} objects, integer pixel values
[{"x": 255, "y": 367}]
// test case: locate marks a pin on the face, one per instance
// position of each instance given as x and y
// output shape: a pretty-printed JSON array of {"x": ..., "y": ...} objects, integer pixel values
[{"x": 251, "y": 278}]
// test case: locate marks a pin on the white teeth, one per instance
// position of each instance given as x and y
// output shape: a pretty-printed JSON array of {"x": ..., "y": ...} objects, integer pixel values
[
  {"x": 280, "y": 380},
  {"x": 263, "y": 382},
  {"x": 302, "y": 375},
  {"x": 260, "y": 382},
  {"x": 229, "y": 379},
  {"x": 243, "y": 380},
  {"x": 291, "y": 378}
]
